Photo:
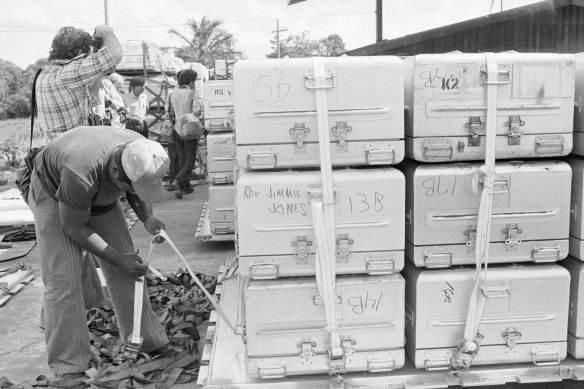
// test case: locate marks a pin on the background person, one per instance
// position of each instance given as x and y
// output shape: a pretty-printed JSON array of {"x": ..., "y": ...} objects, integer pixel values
[
  {"x": 136, "y": 103},
  {"x": 182, "y": 103}
]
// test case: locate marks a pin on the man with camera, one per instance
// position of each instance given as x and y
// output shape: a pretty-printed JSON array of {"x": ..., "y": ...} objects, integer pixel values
[{"x": 68, "y": 87}]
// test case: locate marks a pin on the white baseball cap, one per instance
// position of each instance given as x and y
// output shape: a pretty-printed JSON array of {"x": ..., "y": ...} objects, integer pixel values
[{"x": 145, "y": 163}]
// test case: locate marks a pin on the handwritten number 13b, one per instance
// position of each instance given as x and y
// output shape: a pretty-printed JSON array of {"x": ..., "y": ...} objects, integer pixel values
[{"x": 271, "y": 88}]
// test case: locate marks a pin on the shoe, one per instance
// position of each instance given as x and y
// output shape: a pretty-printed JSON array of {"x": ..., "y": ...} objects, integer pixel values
[
  {"x": 178, "y": 193},
  {"x": 170, "y": 188},
  {"x": 190, "y": 189}
]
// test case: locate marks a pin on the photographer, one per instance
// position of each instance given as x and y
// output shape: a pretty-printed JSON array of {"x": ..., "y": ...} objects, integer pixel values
[{"x": 68, "y": 87}]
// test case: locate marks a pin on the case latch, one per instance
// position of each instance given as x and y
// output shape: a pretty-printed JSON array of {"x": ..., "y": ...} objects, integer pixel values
[
  {"x": 301, "y": 249},
  {"x": 340, "y": 130},
  {"x": 344, "y": 247},
  {"x": 511, "y": 336},
  {"x": 379, "y": 362},
  {"x": 325, "y": 82},
  {"x": 317, "y": 299},
  {"x": 475, "y": 126},
  {"x": 262, "y": 160},
  {"x": 514, "y": 134},
  {"x": 512, "y": 230},
  {"x": 471, "y": 234},
  {"x": 299, "y": 133},
  {"x": 264, "y": 271},
  {"x": 545, "y": 254},
  {"x": 221, "y": 229},
  {"x": 272, "y": 368},
  {"x": 347, "y": 343},
  {"x": 306, "y": 346},
  {"x": 438, "y": 259}
]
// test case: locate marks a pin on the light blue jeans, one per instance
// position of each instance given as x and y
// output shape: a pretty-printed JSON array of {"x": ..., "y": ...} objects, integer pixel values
[{"x": 66, "y": 333}]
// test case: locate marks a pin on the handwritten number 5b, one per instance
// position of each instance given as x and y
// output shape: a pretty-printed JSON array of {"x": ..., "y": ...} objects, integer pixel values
[{"x": 271, "y": 88}]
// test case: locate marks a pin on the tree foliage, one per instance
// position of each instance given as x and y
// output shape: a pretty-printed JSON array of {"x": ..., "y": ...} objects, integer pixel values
[
  {"x": 16, "y": 88},
  {"x": 207, "y": 41},
  {"x": 295, "y": 46}
]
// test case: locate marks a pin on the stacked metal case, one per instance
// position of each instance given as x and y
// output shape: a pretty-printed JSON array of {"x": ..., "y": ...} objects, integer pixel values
[
  {"x": 320, "y": 249},
  {"x": 219, "y": 121},
  {"x": 478, "y": 108},
  {"x": 575, "y": 262}
]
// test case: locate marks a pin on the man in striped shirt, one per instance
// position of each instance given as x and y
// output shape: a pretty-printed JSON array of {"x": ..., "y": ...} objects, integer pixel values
[{"x": 68, "y": 87}]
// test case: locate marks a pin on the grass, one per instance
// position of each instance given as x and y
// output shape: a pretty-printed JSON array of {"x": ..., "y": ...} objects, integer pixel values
[{"x": 14, "y": 143}]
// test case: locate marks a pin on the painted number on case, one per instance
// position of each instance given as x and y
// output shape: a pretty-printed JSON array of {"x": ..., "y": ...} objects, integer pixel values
[
  {"x": 271, "y": 88},
  {"x": 448, "y": 293},
  {"x": 365, "y": 303},
  {"x": 439, "y": 186},
  {"x": 362, "y": 202}
]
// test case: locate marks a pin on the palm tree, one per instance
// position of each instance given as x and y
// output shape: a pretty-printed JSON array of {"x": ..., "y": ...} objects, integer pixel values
[{"x": 209, "y": 41}]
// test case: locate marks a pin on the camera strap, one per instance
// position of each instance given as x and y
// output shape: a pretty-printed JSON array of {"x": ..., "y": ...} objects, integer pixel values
[{"x": 33, "y": 106}]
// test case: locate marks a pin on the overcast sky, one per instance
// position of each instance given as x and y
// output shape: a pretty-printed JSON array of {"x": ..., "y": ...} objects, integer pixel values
[{"x": 28, "y": 26}]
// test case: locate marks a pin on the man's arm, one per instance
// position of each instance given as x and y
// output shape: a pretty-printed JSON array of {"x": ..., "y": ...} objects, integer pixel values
[
  {"x": 110, "y": 41},
  {"x": 75, "y": 222},
  {"x": 144, "y": 212}
]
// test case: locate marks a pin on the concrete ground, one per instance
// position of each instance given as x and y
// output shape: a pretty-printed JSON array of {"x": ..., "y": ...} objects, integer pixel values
[{"x": 22, "y": 345}]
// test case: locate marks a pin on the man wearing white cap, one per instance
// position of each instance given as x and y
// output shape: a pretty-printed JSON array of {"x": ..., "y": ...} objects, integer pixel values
[{"x": 75, "y": 188}]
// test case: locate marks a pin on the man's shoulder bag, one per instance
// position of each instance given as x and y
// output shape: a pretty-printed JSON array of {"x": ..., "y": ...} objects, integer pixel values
[{"x": 24, "y": 173}]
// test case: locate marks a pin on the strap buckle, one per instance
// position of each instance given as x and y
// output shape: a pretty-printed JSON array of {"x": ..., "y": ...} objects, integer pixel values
[
  {"x": 466, "y": 353},
  {"x": 132, "y": 349}
]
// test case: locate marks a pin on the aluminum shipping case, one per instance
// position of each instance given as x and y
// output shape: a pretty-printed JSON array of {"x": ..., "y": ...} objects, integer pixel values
[
  {"x": 577, "y": 202},
  {"x": 445, "y": 99},
  {"x": 285, "y": 325},
  {"x": 525, "y": 317},
  {"x": 222, "y": 209},
  {"x": 218, "y": 105},
  {"x": 276, "y": 234},
  {"x": 576, "y": 318},
  {"x": 221, "y": 157},
  {"x": 530, "y": 216},
  {"x": 579, "y": 104},
  {"x": 275, "y": 112}
]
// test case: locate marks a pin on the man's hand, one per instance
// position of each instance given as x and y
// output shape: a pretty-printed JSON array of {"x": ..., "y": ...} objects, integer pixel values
[
  {"x": 153, "y": 226},
  {"x": 132, "y": 265},
  {"x": 109, "y": 39}
]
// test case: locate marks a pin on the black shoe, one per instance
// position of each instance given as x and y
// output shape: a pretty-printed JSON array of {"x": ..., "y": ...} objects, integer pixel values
[
  {"x": 178, "y": 193},
  {"x": 170, "y": 188}
]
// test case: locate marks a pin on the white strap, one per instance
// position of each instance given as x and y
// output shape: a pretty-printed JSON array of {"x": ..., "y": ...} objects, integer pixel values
[
  {"x": 164, "y": 235},
  {"x": 469, "y": 346},
  {"x": 323, "y": 213}
]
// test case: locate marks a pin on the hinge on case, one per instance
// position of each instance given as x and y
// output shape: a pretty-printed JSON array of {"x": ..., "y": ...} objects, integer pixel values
[
  {"x": 306, "y": 346},
  {"x": 299, "y": 133},
  {"x": 325, "y": 82},
  {"x": 379, "y": 362},
  {"x": 301, "y": 249},
  {"x": 512, "y": 230},
  {"x": 347, "y": 343},
  {"x": 474, "y": 125},
  {"x": 340, "y": 130},
  {"x": 344, "y": 247},
  {"x": 471, "y": 233},
  {"x": 511, "y": 336},
  {"x": 514, "y": 134}
]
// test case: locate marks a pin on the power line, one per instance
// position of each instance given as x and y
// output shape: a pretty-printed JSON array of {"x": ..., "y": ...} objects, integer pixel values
[{"x": 130, "y": 28}]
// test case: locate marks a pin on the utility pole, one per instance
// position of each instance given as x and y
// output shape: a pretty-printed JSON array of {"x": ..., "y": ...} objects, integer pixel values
[
  {"x": 106, "y": 11},
  {"x": 379, "y": 20},
  {"x": 278, "y": 37}
]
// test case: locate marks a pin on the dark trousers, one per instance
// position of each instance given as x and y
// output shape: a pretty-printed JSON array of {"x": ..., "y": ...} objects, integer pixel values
[
  {"x": 187, "y": 154},
  {"x": 174, "y": 163}
]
